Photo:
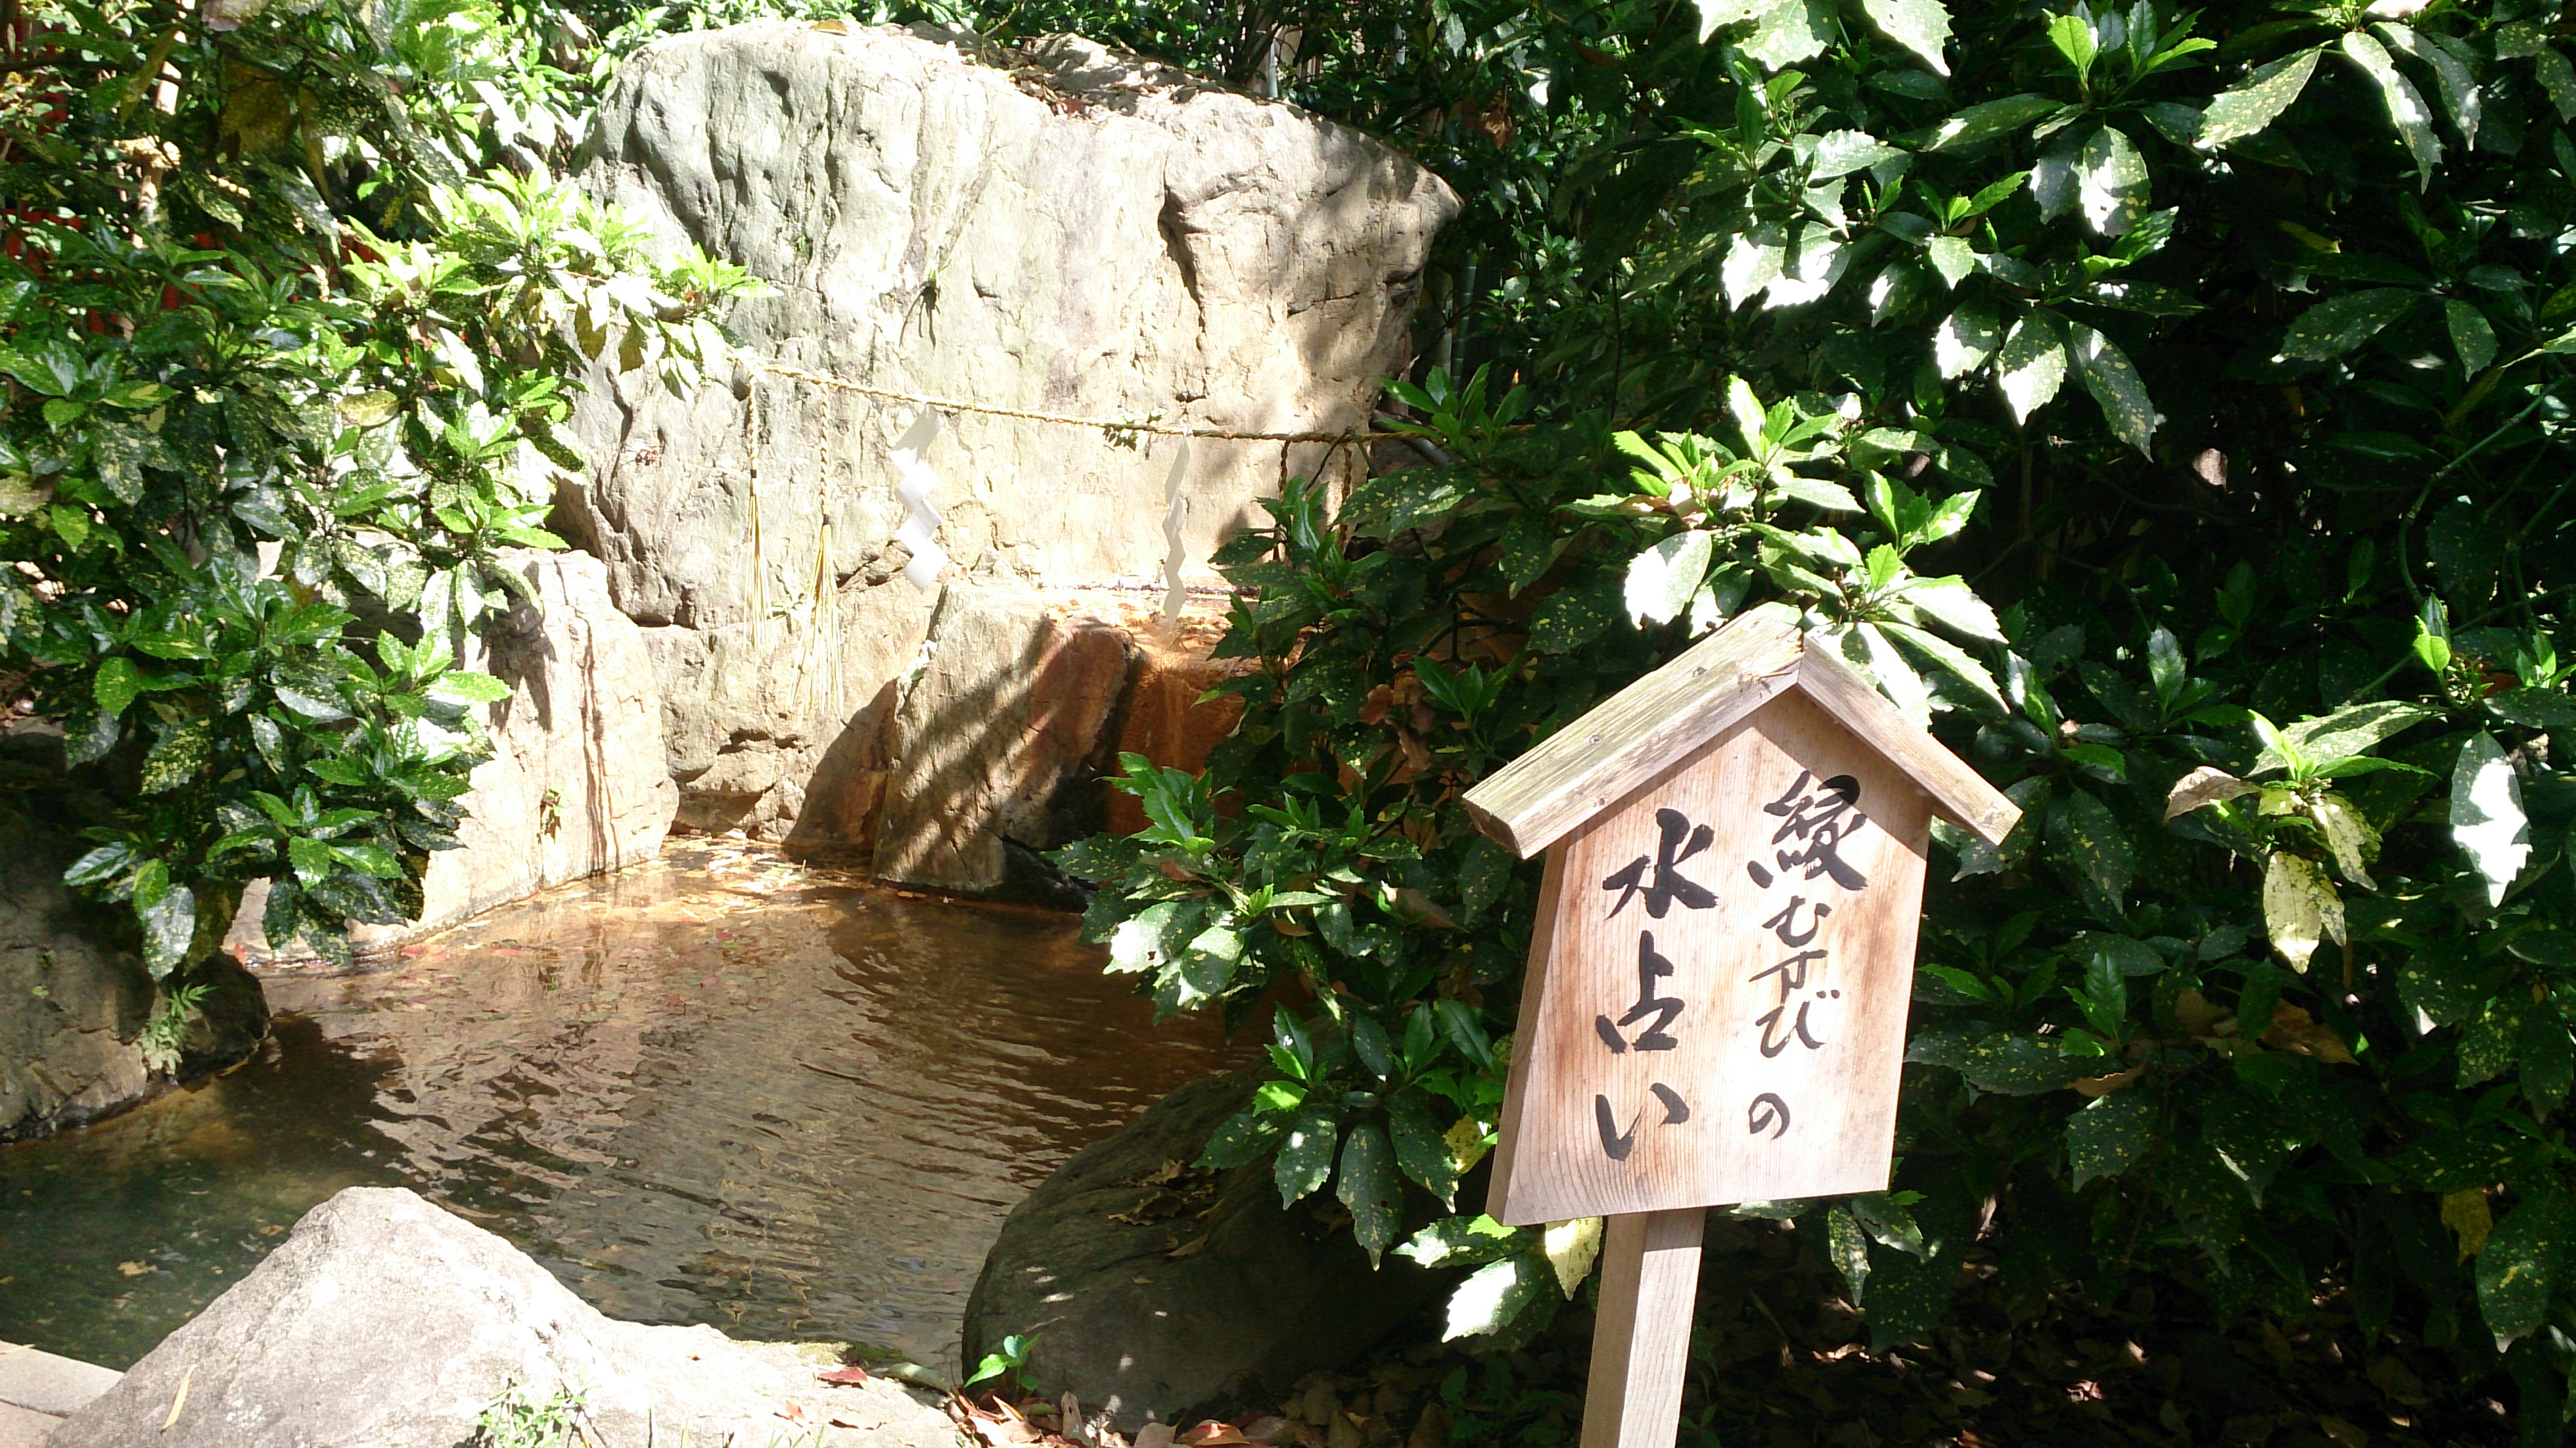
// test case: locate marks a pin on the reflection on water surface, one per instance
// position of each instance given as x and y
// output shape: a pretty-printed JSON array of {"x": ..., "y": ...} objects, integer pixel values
[{"x": 719, "y": 1088}]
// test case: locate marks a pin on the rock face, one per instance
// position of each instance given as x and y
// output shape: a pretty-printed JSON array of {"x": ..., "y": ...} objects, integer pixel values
[
  {"x": 1257, "y": 1298},
  {"x": 73, "y": 1007},
  {"x": 1167, "y": 717},
  {"x": 1082, "y": 235},
  {"x": 1015, "y": 709},
  {"x": 385, "y": 1322},
  {"x": 576, "y": 785}
]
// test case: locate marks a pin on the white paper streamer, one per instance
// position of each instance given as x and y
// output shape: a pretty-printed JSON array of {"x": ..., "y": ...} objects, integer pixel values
[
  {"x": 914, "y": 483},
  {"x": 1175, "y": 507}
]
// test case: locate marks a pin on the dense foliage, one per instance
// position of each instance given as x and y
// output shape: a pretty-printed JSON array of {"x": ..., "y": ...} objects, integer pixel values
[
  {"x": 289, "y": 313},
  {"x": 2226, "y": 348}
]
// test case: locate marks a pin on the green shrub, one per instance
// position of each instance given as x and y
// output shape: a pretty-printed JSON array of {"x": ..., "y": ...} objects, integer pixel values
[
  {"x": 2226, "y": 348},
  {"x": 289, "y": 320}
]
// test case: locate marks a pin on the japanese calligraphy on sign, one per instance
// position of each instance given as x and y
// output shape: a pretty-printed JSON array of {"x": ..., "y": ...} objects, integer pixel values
[{"x": 1718, "y": 989}]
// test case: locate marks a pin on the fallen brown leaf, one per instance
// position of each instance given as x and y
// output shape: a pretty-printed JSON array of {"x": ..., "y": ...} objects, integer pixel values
[
  {"x": 2293, "y": 1029},
  {"x": 847, "y": 1374},
  {"x": 1211, "y": 1434},
  {"x": 2198, "y": 1014}
]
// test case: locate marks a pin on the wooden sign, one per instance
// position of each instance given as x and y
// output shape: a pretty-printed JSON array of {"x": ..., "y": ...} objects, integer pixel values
[{"x": 1718, "y": 983}]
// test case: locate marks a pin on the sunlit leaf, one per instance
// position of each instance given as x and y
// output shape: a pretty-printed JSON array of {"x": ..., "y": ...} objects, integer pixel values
[
  {"x": 1989, "y": 119},
  {"x": 2111, "y": 181},
  {"x": 1662, "y": 579},
  {"x": 2349, "y": 837},
  {"x": 1920, "y": 26},
  {"x": 2487, "y": 818},
  {"x": 2300, "y": 907},
  {"x": 2406, "y": 108},
  {"x": 2032, "y": 364},
  {"x": 1495, "y": 1294},
  {"x": 2461, "y": 94},
  {"x": 1305, "y": 1159},
  {"x": 1965, "y": 339},
  {"x": 2203, "y": 787},
  {"x": 2255, "y": 102},
  {"x": 1951, "y": 603},
  {"x": 1570, "y": 1248}
]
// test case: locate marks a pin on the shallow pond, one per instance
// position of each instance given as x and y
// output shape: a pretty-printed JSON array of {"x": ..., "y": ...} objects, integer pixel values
[{"x": 718, "y": 1088}]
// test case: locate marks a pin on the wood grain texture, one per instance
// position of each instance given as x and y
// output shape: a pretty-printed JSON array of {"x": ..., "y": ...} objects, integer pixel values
[
  {"x": 1631, "y": 737},
  {"x": 1746, "y": 970},
  {"x": 1959, "y": 794},
  {"x": 1641, "y": 1340}
]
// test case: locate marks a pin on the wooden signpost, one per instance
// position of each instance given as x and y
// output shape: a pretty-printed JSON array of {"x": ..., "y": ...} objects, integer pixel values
[{"x": 1716, "y": 1000}]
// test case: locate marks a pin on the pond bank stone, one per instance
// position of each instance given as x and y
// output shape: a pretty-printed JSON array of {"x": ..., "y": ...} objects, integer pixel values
[
  {"x": 386, "y": 1322},
  {"x": 1013, "y": 712},
  {"x": 1149, "y": 1290},
  {"x": 74, "y": 1001}
]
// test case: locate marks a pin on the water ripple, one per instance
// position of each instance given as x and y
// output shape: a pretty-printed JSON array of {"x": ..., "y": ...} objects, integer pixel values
[{"x": 719, "y": 1089}]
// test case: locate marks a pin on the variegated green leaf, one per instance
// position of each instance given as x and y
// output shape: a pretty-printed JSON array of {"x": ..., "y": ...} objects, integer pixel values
[
  {"x": 1965, "y": 339},
  {"x": 2461, "y": 94},
  {"x": 2255, "y": 102},
  {"x": 2406, "y": 108},
  {"x": 2116, "y": 385},
  {"x": 2300, "y": 907},
  {"x": 1920, "y": 26},
  {"x": 2111, "y": 181},
  {"x": 2032, "y": 364}
]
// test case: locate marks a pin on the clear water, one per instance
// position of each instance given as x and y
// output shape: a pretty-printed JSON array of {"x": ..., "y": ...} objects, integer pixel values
[{"x": 719, "y": 1088}]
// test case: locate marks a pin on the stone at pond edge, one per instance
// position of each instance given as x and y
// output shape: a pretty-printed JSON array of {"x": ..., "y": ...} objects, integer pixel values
[
  {"x": 1014, "y": 712},
  {"x": 74, "y": 996},
  {"x": 386, "y": 1322},
  {"x": 1112, "y": 1316}
]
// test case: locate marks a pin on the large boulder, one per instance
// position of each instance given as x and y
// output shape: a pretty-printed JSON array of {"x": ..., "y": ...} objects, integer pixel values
[
  {"x": 1078, "y": 234},
  {"x": 74, "y": 1003},
  {"x": 385, "y": 1322},
  {"x": 1150, "y": 1290}
]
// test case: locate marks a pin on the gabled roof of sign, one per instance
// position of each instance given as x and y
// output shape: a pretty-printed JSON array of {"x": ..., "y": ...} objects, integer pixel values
[{"x": 1637, "y": 733}]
